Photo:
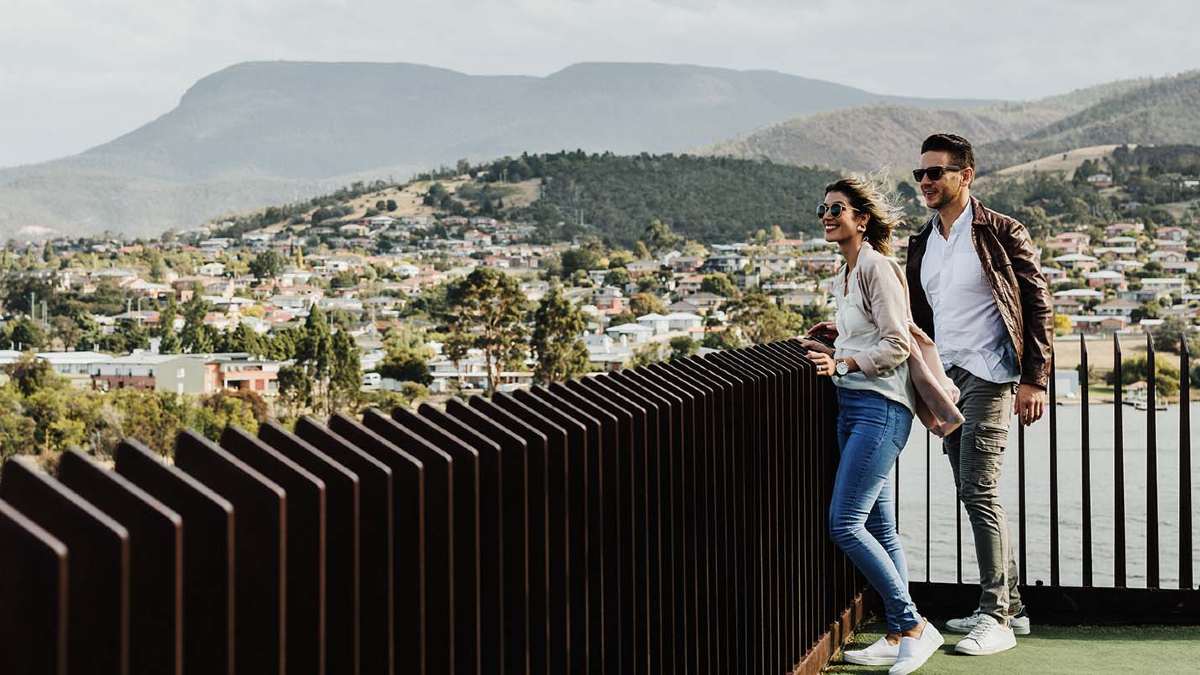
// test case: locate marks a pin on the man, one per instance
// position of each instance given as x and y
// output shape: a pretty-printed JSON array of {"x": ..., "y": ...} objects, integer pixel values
[{"x": 976, "y": 288}]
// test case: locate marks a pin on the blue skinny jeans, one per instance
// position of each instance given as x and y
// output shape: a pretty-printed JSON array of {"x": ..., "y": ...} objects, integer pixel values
[{"x": 871, "y": 432}]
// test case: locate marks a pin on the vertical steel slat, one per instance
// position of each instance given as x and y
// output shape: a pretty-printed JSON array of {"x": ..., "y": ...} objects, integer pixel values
[
  {"x": 601, "y": 429},
  {"x": 665, "y": 409},
  {"x": 624, "y": 494},
  {"x": 260, "y": 551},
  {"x": 207, "y": 555},
  {"x": 928, "y": 460},
  {"x": 408, "y": 543},
  {"x": 491, "y": 556},
  {"x": 466, "y": 535},
  {"x": 97, "y": 564},
  {"x": 575, "y": 523},
  {"x": 644, "y": 424},
  {"x": 304, "y": 537},
  {"x": 1054, "y": 559},
  {"x": 515, "y": 517},
  {"x": 547, "y": 443},
  {"x": 438, "y": 489},
  {"x": 33, "y": 583},
  {"x": 375, "y": 578},
  {"x": 341, "y": 544},
  {"x": 1022, "y": 519},
  {"x": 604, "y": 541},
  {"x": 1119, "y": 566},
  {"x": 1085, "y": 463},
  {"x": 1185, "y": 468},
  {"x": 155, "y": 560},
  {"x": 1152, "y": 570}
]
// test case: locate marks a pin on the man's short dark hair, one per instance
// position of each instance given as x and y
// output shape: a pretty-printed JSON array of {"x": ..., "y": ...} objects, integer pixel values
[{"x": 959, "y": 148}]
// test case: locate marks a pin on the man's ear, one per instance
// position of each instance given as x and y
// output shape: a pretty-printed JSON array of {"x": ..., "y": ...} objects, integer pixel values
[{"x": 968, "y": 176}]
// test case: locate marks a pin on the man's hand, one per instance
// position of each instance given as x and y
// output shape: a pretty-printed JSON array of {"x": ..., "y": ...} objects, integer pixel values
[
  {"x": 823, "y": 361},
  {"x": 1031, "y": 403}
]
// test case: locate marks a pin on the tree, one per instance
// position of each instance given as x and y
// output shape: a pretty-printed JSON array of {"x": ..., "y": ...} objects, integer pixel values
[
  {"x": 760, "y": 320},
  {"x": 407, "y": 356},
  {"x": 26, "y": 334},
  {"x": 391, "y": 205},
  {"x": 197, "y": 337},
  {"x": 651, "y": 352},
  {"x": 586, "y": 257},
  {"x": 314, "y": 357},
  {"x": 719, "y": 284},
  {"x": 345, "y": 381},
  {"x": 659, "y": 237},
  {"x": 617, "y": 277},
  {"x": 1170, "y": 334},
  {"x": 1166, "y": 374},
  {"x": 267, "y": 265},
  {"x": 682, "y": 347},
  {"x": 557, "y": 347},
  {"x": 1062, "y": 324},
  {"x": 29, "y": 374},
  {"x": 645, "y": 303},
  {"x": 168, "y": 338},
  {"x": 243, "y": 338},
  {"x": 487, "y": 310}
]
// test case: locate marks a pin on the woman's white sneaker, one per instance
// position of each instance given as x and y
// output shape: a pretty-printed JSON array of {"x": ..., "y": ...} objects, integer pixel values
[
  {"x": 987, "y": 637},
  {"x": 914, "y": 652},
  {"x": 879, "y": 653}
]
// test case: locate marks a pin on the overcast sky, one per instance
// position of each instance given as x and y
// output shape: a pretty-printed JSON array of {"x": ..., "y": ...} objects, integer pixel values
[{"x": 76, "y": 73}]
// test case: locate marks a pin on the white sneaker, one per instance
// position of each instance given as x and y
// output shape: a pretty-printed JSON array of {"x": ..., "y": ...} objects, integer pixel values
[
  {"x": 987, "y": 637},
  {"x": 1019, "y": 624},
  {"x": 914, "y": 652},
  {"x": 880, "y": 653}
]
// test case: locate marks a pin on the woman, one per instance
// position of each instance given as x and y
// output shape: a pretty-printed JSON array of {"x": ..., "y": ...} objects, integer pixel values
[{"x": 876, "y": 403}]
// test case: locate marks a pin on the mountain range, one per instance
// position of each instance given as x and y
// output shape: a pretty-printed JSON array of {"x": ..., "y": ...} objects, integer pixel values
[{"x": 261, "y": 133}]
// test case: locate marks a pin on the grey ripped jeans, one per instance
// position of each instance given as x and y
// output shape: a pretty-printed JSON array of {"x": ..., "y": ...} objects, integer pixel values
[{"x": 976, "y": 454}]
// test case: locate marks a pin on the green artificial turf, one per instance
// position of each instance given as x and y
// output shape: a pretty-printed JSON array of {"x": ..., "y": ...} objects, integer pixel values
[{"x": 1061, "y": 649}]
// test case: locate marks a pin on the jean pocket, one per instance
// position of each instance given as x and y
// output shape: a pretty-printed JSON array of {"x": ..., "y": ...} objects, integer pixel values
[{"x": 990, "y": 438}]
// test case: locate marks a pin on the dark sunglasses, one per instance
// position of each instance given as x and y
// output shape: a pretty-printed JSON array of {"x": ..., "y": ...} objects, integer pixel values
[
  {"x": 934, "y": 172},
  {"x": 835, "y": 210}
]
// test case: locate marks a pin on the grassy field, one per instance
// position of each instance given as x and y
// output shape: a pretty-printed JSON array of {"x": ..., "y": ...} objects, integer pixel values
[{"x": 1100, "y": 352}]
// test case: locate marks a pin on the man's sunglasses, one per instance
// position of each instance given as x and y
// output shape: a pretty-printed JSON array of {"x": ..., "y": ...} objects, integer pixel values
[
  {"x": 934, "y": 172},
  {"x": 835, "y": 210}
]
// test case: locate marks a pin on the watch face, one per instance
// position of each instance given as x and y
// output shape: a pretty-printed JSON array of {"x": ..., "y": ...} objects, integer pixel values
[{"x": 842, "y": 368}]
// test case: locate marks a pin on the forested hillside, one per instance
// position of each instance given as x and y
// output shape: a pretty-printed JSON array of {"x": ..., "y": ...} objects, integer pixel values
[{"x": 703, "y": 198}]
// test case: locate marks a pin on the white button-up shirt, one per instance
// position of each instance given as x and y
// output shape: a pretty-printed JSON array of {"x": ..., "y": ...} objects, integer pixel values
[{"x": 966, "y": 322}]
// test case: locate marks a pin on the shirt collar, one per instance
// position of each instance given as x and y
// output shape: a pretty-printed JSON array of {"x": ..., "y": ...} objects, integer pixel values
[{"x": 963, "y": 221}]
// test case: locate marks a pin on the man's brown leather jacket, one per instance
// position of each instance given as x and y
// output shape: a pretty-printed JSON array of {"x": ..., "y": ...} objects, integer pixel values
[{"x": 1010, "y": 262}]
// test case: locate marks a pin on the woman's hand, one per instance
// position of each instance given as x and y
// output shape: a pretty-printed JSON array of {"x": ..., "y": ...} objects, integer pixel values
[
  {"x": 824, "y": 362},
  {"x": 823, "y": 327},
  {"x": 816, "y": 346}
]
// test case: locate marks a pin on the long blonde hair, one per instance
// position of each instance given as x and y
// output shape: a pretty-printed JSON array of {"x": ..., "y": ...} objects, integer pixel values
[{"x": 868, "y": 195}]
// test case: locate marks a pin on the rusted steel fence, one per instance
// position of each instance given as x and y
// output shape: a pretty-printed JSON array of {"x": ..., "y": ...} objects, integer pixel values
[
  {"x": 665, "y": 519},
  {"x": 1051, "y": 599}
]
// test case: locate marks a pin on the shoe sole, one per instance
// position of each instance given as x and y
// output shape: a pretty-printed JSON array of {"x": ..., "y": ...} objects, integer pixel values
[
  {"x": 989, "y": 652},
  {"x": 868, "y": 660},
  {"x": 964, "y": 631}
]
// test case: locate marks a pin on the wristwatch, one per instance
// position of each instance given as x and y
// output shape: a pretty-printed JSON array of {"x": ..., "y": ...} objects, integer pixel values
[{"x": 840, "y": 368}]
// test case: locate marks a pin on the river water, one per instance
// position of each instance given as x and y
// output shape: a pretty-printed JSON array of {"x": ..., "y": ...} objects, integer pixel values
[{"x": 941, "y": 562}]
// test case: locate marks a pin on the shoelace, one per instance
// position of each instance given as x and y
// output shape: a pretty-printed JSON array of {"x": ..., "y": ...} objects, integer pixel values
[{"x": 982, "y": 627}]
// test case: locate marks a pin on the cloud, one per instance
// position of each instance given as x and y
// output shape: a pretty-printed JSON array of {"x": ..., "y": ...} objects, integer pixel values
[{"x": 75, "y": 74}]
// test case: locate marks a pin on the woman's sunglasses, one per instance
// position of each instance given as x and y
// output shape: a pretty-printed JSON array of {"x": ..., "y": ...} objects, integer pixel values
[
  {"x": 834, "y": 210},
  {"x": 934, "y": 172}
]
